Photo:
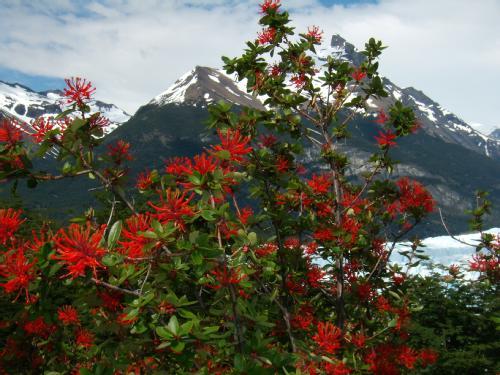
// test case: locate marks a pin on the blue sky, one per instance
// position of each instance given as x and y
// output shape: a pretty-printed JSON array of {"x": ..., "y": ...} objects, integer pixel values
[{"x": 134, "y": 49}]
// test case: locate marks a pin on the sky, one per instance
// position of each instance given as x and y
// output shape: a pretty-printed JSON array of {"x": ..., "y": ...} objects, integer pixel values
[{"x": 133, "y": 50}]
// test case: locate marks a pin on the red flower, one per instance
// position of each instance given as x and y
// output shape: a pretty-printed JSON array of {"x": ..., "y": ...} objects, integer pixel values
[
  {"x": 9, "y": 133},
  {"x": 428, "y": 357},
  {"x": 275, "y": 70},
  {"x": 413, "y": 196},
  {"x": 144, "y": 181},
  {"x": 268, "y": 140},
  {"x": 328, "y": 337},
  {"x": 234, "y": 143},
  {"x": 134, "y": 243},
  {"x": 266, "y": 249},
  {"x": 39, "y": 327},
  {"x": 124, "y": 320},
  {"x": 282, "y": 164},
  {"x": 245, "y": 214},
  {"x": 482, "y": 263},
  {"x": 79, "y": 248},
  {"x": 42, "y": 126},
  {"x": 408, "y": 357},
  {"x": 98, "y": 122},
  {"x": 320, "y": 184},
  {"x": 67, "y": 315},
  {"x": 383, "y": 304},
  {"x": 18, "y": 271},
  {"x": 174, "y": 208},
  {"x": 314, "y": 34},
  {"x": 166, "y": 308},
  {"x": 299, "y": 80},
  {"x": 203, "y": 164},
  {"x": 266, "y": 35},
  {"x": 324, "y": 234},
  {"x": 270, "y": 5},
  {"x": 110, "y": 300},
  {"x": 364, "y": 291},
  {"x": 386, "y": 139},
  {"x": 78, "y": 90},
  {"x": 381, "y": 118},
  {"x": 314, "y": 276},
  {"x": 304, "y": 318},
  {"x": 119, "y": 152},
  {"x": 9, "y": 223},
  {"x": 338, "y": 368},
  {"x": 358, "y": 75},
  {"x": 84, "y": 338},
  {"x": 226, "y": 277},
  {"x": 359, "y": 340}
]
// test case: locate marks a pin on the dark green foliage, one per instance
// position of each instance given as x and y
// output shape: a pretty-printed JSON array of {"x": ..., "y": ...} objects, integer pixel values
[{"x": 457, "y": 321}]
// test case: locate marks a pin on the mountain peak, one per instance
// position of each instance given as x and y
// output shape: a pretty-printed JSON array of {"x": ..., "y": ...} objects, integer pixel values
[
  {"x": 203, "y": 85},
  {"x": 343, "y": 50}
]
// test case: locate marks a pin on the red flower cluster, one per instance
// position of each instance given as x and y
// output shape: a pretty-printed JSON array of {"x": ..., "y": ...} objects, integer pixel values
[
  {"x": 174, "y": 208},
  {"x": 282, "y": 164},
  {"x": 328, "y": 337},
  {"x": 413, "y": 196},
  {"x": 314, "y": 34},
  {"x": 266, "y": 36},
  {"x": 385, "y": 358},
  {"x": 299, "y": 80},
  {"x": 84, "y": 338},
  {"x": 144, "y": 181},
  {"x": 320, "y": 184},
  {"x": 9, "y": 133},
  {"x": 42, "y": 126},
  {"x": 79, "y": 248},
  {"x": 234, "y": 143},
  {"x": 225, "y": 277},
  {"x": 78, "y": 91},
  {"x": 67, "y": 315},
  {"x": 358, "y": 75},
  {"x": 386, "y": 139},
  {"x": 483, "y": 263},
  {"x": 119, "y": 152},
  {"x": 10, "y": 220},
  {"x": 270, "y": 5},
  {"x": 18, "y": 271},
  {"x": 134, "y": 243},
  {"x": 39, "y": 327}
]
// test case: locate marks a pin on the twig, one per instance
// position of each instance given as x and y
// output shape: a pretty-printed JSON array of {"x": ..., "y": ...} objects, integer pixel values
[{"x": 116, "y": 288}]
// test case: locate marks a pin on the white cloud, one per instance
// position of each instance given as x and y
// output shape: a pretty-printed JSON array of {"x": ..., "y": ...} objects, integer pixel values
[{"x": 132, "y": 50}]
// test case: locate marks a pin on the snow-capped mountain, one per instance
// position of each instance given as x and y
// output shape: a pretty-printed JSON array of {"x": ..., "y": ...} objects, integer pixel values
[
  {"x": 22, "y": 103},
  {"x": 495, "y": 134},
  {"x": 202, "y": 86}
]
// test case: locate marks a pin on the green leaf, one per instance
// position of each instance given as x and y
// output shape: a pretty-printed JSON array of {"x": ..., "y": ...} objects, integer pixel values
[
  {"x": 178, "y": 346},
  {"x": 164, "y": 333},
  {"x": 64, "y": 113},
  {"x": 173, "y": 325},
  {"x": 114, "y": 233}
]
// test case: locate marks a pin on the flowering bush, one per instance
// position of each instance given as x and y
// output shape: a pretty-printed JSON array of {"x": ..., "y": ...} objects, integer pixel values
[{"x": 296, "y": 280}]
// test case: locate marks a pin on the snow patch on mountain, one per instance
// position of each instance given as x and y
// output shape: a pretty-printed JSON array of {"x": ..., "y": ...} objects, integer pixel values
[{"x": 25, "y": 105}]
